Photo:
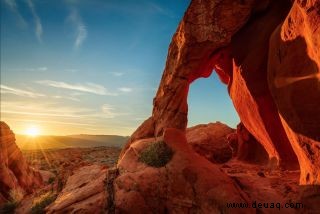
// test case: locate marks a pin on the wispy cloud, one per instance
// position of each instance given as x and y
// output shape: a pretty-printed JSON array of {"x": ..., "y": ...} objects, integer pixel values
[
  {"x": 37, "y": 21},
  {"x": 42, "y": 68},
  {"x": 117, "y": 74},
  {"x": 55, "y": 122},
  {"x": 44, "y": 110},
  {"x": 81, "y": 29},
  {"x": 125, "y": 89},
  {"x": 12, "y": 4},
  {"x": 19, "y": 92},
  {"x": 87, "y": 87},
  {"x": 66, "y": 97},
  {"x": 108, "y": 111},
  {"x": 158, "y": 9}
]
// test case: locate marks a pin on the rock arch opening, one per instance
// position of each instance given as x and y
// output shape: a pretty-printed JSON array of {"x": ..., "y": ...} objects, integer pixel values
[
  {"x": 209, "y": 101},
  {"x": 214, "y": 128}
]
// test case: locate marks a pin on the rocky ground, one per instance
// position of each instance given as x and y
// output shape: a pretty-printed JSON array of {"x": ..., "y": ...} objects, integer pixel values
[
  {"x": 57, "y": 160},
  {"x": 69, "y": 170}
]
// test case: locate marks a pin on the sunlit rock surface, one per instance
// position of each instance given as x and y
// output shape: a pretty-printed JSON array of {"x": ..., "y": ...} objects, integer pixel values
[
  {"x": 84, "y": 192},
  {"x": 211, "y": 141},
  {"x": 188, "y": 183},
  {"x": 15, "y": 173}
]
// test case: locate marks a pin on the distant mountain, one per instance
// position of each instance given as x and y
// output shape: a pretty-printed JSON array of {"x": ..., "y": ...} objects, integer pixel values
[{"x": 70, "y": 141}]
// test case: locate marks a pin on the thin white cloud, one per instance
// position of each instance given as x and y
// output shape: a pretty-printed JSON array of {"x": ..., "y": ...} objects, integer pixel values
[
  {"x": 158, "y": 9},
  {"x": 107, "y": 110},
  {"x": 57, "y": 112},
  {"x": 117, "y": 74},
  {"x": 66, "y": 97},
  {"x": 37, "y": 21},
  {"x": 12, "y": 4},
  {"x": 43, "y": 110},
  {"x": 39, "y": 114},
  {"x": 125, "y": 89},
  {"x": 54, "y": 122},
  {"x": 87, "y": 87},
  {"x": 19, "y": 92},
  {"x": 81, "y": 29},
  {"x": 42, "y": 69}
]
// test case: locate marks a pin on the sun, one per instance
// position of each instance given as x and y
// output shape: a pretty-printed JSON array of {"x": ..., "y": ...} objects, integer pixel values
[{"x": 32, "y": 131}]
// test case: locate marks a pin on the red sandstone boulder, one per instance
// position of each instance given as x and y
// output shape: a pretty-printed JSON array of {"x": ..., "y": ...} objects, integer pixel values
[
  {"x": 186, "y": 183},
  {"x": 15, "y": 173},
  {"x": 84, "y": 192},
  {"x": 210, "y": 140}
]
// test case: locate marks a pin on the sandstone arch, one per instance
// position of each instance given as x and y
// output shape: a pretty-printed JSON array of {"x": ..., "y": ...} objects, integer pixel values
[{"x": 233, "y": 37}]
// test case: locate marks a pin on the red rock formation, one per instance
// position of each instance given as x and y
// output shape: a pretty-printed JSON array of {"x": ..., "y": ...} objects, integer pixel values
[
  {"x": 268, "y": 54},
  {"x": 210, "y": 140},
  {"x": 188, "y": 183},
  {"x": 84, "y": 192},
  {"x": 15, "y": 173},
  {"x": 294, "y": 81},
  {"x": 203, "y": 30}
]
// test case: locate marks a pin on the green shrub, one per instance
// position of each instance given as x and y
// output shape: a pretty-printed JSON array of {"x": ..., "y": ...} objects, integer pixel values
[
  {"x": 16, "y": 195},
  {"x": 9, "y": 207},
  {"x": 40, "y": 203},
  {"x": 157, "y": 154},
  {"x": 50, "y": 180}
]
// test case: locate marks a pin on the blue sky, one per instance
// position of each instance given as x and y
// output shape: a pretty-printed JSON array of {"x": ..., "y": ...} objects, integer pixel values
[{"x": 89, "y": 66}]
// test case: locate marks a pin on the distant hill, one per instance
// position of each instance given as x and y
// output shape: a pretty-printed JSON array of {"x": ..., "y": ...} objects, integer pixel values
[{"x": 71, "y": 141}]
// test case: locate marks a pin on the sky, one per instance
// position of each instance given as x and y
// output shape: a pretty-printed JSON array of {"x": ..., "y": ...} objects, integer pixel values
[{"x": 93, "y": 66}]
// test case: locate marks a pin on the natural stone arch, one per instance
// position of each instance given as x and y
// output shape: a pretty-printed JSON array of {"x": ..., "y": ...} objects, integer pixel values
[
  {"x": 201, "y": 44},
  {"x": 237, "y": 47}
]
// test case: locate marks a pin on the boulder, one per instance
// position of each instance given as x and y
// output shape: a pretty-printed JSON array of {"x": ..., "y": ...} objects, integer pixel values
[
  {"x": 185, "y": 183},
  {"x": 211, "y": 141},
  {"x": 84, "y": 192}
]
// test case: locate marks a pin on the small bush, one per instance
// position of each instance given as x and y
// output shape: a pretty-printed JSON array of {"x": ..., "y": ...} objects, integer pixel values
[
  {"x": 157, "y": 154},
  {"x": 16, "y": 195},
  {"x": 51, "y": 180},
  {"x": 40, "y": 203},
  {"x": 9, "y": 207}
]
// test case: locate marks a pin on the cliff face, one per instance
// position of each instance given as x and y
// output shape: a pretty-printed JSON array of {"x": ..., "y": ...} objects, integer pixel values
[
  {"x": 267, "y": 52},
  {"x": 15, "y": 173}
]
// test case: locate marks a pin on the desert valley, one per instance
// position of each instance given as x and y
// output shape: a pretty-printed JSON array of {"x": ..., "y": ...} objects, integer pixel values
[{"x": 266, "y": 54}]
